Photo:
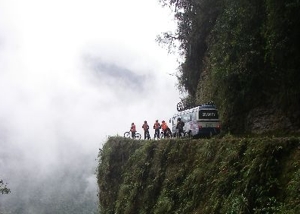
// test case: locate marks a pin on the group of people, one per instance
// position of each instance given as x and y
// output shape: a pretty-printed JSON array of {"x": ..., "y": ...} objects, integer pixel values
[{"x": 157, "y": 126}]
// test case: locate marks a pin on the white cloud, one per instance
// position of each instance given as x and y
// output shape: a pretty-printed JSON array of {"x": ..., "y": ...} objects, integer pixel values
[{"x": 54, "y": 107}]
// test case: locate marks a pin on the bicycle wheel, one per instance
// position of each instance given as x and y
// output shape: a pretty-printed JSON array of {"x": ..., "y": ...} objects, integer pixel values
[
  {"x": 188, "y": 134},
  {"x": 148, "y": 136},
  {"x": 127, "y": 134},
  {"x": 169, "y": 134},
  {"x": 138, "y": 136}
]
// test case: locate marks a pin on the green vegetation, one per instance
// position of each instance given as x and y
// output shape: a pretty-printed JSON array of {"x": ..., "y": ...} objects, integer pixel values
[
  {"x": 228, "y": 175},
  {"x": 242, "y": 54}
]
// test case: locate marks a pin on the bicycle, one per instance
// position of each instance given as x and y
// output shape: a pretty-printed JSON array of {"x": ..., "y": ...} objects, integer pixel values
[
  {"x": 178, "y": 134},
  {"x": 128, "y": 135},
  {"x": 168, "y": 134}
]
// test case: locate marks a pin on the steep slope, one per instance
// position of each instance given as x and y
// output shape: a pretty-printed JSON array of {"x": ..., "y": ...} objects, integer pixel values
[
  {"x": 244, "y": 56},
  {"x": 229, "y": 175}
]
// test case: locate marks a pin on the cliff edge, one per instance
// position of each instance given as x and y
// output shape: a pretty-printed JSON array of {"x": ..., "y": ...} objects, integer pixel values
[{"x": 228, "y": 175}]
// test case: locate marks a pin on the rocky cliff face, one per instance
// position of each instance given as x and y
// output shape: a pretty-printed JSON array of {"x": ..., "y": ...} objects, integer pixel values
[
  {"x": 263, "y": 117},
  {"x": 228, "y": 175},
  {"x": 264, "y": 120}
]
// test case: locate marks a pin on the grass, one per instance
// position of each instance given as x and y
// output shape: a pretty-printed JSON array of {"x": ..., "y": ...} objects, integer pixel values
[{"x": 218, "y": 175}]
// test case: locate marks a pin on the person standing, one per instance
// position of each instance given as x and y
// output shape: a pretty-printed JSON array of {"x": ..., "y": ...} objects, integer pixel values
[
  {"x": 156, "y": 128},
  {"x": 133, "y": 130},
  {"x": 165, "y": 128},
  {"x": 146, "y": 130},
  {"x": 179, "y": 127}
]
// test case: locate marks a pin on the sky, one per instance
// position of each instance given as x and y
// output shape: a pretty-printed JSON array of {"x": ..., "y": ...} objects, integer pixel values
[{"x": 73, "y": 73}]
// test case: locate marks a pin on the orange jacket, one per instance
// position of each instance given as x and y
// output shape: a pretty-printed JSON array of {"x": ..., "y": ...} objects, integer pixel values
[{"x": 164, "y": 126}]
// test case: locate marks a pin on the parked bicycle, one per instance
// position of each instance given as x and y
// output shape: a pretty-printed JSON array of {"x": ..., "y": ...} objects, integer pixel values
[
  {"x": 182, "y": 134},
  {"x": 128, "y": 135},
  {"x": 167, "y": 134}
]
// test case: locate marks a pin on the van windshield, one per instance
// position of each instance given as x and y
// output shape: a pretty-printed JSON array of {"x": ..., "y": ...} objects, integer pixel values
[{"x": 208, "y": 114}]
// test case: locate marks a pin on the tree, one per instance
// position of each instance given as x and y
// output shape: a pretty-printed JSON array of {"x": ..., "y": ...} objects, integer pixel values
[
  {"x": 195, "y": 21},
  {"x": 242, "y": 54}
]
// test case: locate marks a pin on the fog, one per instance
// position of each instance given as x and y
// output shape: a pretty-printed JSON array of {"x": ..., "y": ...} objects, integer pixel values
[{"x": 73, "y": 73}]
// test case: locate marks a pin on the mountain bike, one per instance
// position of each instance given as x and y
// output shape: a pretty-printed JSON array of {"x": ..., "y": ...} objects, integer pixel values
[
  {"x": 128, "y": 135},
  {"x": 182, "y": 134},
  {"x": 168, "y": 134}
]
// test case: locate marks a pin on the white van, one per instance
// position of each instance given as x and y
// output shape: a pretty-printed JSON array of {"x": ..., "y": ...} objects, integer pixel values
[{"x": 200, "y": 121}]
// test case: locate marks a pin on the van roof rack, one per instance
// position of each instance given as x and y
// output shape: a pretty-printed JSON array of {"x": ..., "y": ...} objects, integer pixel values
[{"x": 181, "y": 106}]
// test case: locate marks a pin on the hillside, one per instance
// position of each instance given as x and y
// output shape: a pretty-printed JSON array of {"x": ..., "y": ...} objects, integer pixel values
[
  {"x": 244, "y": 56},
  {"x": 228, "y": 175}
]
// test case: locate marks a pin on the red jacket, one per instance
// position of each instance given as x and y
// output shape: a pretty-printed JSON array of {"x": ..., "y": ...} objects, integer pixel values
[
  {"x": 133, "y": 129},
  {"x": 156, "y": 125},
  {"x": 145, "y": 126}
]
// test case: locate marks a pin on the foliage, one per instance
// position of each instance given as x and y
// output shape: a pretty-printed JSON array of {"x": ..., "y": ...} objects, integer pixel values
[
  {"x": 281, "y": 33},
  {"x": 111, "y": 159},
  {"x": 228, "y": 175},
  {"x": 241, "y": 54},
  {"x": 195, "y": 20},
  {"x": 236, "y": 61}
]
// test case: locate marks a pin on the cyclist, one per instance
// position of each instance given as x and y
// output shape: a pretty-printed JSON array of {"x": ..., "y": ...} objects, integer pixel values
[
  {"x": 156, "y": 128},
  {"x": 179, "y": 126},
  {"x": 146, "y": 130},
  {"x": 132, "y": 130},
  {"x": 165, "y": 128}
]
